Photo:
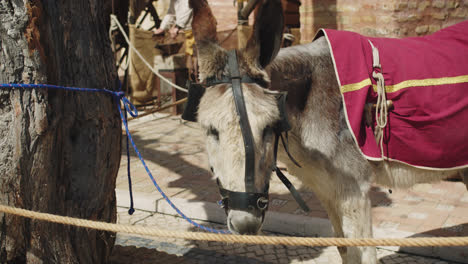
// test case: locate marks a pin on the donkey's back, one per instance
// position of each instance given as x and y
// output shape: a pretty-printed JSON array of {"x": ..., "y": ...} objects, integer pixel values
[
  {"x": 315, "y": 102},
  {"x": 332, "y": 164}
]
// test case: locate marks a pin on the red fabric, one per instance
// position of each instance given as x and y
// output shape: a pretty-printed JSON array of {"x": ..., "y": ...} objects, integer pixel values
[{"x": 428, "y": 125}]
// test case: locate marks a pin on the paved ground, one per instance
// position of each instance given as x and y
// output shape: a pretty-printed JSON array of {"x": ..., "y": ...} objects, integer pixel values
[
  {"x": 136, "y": 249},
  {"x": 174, "y": 152}
]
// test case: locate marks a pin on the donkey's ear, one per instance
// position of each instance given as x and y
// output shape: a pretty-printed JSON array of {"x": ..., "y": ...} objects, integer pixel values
[
  {"x": 203, "y": 21},
  {"x": 265, "y": 42},
  {"x": 210, "y": 55}
]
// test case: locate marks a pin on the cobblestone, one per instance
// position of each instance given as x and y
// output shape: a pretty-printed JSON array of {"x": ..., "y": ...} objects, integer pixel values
[{"x": 138, "y": 249}]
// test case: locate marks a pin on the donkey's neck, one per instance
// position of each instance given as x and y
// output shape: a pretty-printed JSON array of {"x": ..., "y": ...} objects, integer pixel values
[{"x": 306, "y": 72}]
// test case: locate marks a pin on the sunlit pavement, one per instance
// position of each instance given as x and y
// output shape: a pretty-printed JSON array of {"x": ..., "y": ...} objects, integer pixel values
[{"x": 174, "y": 152}]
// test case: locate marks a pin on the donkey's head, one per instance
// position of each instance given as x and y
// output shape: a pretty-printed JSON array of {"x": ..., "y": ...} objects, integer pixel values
[{"x": 240, "y": 116}]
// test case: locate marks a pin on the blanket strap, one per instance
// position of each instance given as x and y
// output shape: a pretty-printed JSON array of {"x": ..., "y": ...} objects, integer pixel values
[{"x": 381, "y": 110}]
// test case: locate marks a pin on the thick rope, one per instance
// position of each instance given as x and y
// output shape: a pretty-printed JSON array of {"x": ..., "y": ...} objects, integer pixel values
[
  {"x": 248, "y": 239},
  {"x": 116, "y": 22},
  {"x": 381, "y": 110}
]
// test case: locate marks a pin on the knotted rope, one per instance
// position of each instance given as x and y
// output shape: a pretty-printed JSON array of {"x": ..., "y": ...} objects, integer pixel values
[
  {"x": 381, "y": 109},
  {"x": 247, "y": 239},
  {"x": 119, "y": 96}
]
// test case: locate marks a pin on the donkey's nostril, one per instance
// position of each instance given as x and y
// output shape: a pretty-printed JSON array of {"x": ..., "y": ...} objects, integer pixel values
[
  {"x": 242, "y": 222},
  {"x": 212, "y": 170}
]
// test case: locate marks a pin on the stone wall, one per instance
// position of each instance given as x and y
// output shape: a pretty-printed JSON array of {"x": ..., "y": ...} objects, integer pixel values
[
  {"x": 391, "y": 18},
  {"x": 224, "y": 11}
]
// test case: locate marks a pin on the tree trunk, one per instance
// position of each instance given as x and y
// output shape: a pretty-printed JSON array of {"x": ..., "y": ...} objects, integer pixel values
[{"x": 59, "y": 150}]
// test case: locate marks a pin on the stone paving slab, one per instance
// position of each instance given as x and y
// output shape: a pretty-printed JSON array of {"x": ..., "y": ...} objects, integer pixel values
[
  {"x": 174, "y": 152},
  {"x": 138, "y": 249}
]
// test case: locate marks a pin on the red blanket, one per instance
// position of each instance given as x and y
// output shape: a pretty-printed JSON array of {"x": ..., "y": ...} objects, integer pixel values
[{"x": 427, "y": 80}]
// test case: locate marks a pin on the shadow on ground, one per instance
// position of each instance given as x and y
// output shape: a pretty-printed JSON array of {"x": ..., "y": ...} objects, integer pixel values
[
  {"x": 204, "y": 188},
  {"x": 206, "y": 253},
  {"x": 181, "y": 155},
  {"x": 132, "y": 254},
  {"x": 459, "y": 254}
]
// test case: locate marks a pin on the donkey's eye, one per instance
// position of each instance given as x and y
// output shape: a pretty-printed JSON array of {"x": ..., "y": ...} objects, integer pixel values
[{"x": 213, "y": 132}]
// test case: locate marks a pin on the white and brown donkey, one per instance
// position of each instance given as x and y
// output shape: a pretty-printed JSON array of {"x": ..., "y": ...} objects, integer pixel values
[{"x": 320, "y": 139}]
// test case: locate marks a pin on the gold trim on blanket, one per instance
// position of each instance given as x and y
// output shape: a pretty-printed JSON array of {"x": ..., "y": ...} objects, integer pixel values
[
  {"x": 355, "y": 86},
  {"x": 405, "y": 84},
  {"x": 425, "y": 82}
]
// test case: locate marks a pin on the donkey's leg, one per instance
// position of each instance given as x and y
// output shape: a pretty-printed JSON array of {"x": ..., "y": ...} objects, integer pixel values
[
  {"x": 337, "y": 228},
  {"x": 356, "y": 221},
  {"x": 351, "y": 218}
]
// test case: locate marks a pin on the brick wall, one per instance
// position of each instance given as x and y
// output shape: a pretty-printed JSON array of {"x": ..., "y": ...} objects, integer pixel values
[
  {"x": 223, "y": 10},
  {"x": 391, "y": 18},
  {"x": 225, "y": 13}
]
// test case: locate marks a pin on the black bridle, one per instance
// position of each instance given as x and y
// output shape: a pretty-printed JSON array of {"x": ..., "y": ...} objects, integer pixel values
[{"x": 250, "y": 199}]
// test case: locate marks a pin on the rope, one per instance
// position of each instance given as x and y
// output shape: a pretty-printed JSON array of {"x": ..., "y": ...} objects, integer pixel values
[
  {"x": 159, "y": 188},
  {"x": 129, "y": 178},
  {"x": 114, "y": 18},
  {"x": 381, "y": 110},
  {"x": 130, "y": 108},
  {"x": 248, "y": 239},
  {"x": 265, "y": 240},
  {"x": 181, "y": 101},
  {"x": 113, "y": 26}
]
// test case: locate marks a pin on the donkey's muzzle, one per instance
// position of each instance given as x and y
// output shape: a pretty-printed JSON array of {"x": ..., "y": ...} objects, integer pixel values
[{"x": 244, "y": 223}]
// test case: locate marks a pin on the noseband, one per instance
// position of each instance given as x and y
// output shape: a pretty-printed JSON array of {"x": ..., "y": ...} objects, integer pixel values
[{"x": 250, "y": 199}]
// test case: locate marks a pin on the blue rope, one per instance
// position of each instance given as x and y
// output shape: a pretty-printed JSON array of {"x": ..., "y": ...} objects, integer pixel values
[
  {"x": 129, "y": 178},
  {"x": 131, "y": 210},
  {"x": 130, "y": 108},
  {"x": 119, "y": 95}
]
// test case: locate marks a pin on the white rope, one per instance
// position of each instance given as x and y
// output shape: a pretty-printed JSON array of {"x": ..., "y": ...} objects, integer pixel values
[
  {"x": 113, "y": 26},
  {"x": 114, "y": 18},
  {"x": 381, "y": 110}
]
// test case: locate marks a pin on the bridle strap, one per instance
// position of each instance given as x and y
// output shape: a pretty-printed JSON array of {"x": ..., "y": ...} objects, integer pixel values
[
  {"x": 286, "y": 148},
  {"x": 210, "y": 81},
  {"x": 243, "y": 121},
  {"x": 250, "y": 199},
  {"x": 243, "y": 200},
  {"x": 283, "y": 178}
]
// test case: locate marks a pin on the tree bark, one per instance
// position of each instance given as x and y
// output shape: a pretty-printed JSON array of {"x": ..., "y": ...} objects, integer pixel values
[{"x": 59, "y": 150}]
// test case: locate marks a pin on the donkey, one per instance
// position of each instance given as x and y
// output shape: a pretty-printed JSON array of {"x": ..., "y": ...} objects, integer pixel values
[{"x": 320, "y": 139}]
